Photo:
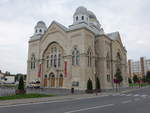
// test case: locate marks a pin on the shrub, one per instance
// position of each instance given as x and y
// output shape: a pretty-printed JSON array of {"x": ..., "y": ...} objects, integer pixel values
[
  {"x": 97, "y": 83},
  {"x": 129, "y": 81},
  {"x": 89, "y": 85},
  {"x": 21, "y": 84},
  {"x": 135, "y": 78}
]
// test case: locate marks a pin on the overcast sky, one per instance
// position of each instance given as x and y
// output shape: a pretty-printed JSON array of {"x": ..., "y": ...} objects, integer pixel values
[{"x": 18, "y": 18}]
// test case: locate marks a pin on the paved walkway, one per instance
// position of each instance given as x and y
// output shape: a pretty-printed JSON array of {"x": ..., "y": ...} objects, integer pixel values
[{"x": 67, "y": 97}]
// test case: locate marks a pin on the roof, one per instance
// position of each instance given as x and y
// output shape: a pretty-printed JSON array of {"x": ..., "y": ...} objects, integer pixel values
[
  {"x": 60, "y": 25},
  {"x": 113, "y": 35}
]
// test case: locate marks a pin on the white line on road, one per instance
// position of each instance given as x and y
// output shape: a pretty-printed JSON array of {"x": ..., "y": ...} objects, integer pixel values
[
  {"x": 136, "y": 95},
  {"x": 85, "y": 109},
  {"x": 128, "y": 95},
  {"x": 136, "y": 99},
  {"x": 127, "y": 101}
]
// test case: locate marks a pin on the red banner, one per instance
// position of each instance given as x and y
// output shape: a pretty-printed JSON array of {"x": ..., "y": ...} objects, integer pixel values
[
  {"x": 39, "y": 70},
  {"x": 65, "y": 68}
]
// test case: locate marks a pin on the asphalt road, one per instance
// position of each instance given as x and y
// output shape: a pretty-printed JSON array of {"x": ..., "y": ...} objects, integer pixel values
[{"x": 133, "y": 102}]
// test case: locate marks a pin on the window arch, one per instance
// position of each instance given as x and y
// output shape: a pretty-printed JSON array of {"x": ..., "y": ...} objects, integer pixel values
[
  {"x": 75, "y": 57},
  {"x": 33, "y": 60},
  {"x": 55, "y": 53}
]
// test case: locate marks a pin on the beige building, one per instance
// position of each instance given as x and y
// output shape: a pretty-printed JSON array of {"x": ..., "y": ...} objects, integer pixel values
[
  {"x": 139, "y": 67},
  {"x": 61, "y": 57}
]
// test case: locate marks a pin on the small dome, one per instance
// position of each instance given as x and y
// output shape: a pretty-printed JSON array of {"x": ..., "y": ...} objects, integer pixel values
[
  {"x": 91, "y": 15},
  {"x": 40, "y": 23},
  {"x": 80, "y": 10}
]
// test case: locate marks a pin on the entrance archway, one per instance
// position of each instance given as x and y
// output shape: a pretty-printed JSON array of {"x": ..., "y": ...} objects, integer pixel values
[
  {"x": 61, "y": 80},
  {"x": 45, "y": 81},
  {"x": 52, "y": 80}
]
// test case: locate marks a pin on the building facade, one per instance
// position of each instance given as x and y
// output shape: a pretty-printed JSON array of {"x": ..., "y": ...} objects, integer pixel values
[
  {"x": 61, "y": 57},
  {"x": 138, "y": 68}
]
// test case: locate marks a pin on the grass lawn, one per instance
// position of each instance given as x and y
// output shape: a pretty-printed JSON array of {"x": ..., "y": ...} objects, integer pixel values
[
  {"x": 24, "y": 96},
  {"x": 135, "y": 84}
]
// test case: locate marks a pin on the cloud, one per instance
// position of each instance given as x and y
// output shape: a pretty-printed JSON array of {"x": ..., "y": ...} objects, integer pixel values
[{"x": 18, "y": 18}]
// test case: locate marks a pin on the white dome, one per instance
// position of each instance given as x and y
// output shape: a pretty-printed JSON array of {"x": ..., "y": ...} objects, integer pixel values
[
  {"x": 80, "y": 10},
  {"x": 41, "y": 24},
  {"x": 91, "y": 15}
]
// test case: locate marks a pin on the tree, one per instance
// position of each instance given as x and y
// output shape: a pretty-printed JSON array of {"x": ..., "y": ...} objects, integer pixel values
[
  {"x": 129, "y": 81},
  {"x": 135, "y": 78},
  {"x": 144, "y": 79},
  {"x": 97, "y": 83},
  {"x": 21, "y": 83},
  {"x": 118, "y": 76},
  {"x": 148, "y": 76},
  {"x": 89, "y": 85}
]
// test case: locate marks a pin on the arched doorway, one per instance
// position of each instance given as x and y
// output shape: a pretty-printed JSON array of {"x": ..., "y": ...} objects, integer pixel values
[
  {"x": 61, "y": 80},
  {"x": 52, "y": 80},
  {"x": 45, "y": 81}
]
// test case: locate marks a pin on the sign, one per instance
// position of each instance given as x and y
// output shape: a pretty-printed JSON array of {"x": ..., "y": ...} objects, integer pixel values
[{"x": 65, "y": 68}]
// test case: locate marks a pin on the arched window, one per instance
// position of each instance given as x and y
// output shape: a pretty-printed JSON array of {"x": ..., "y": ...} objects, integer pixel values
[
  {"x": 51, "y": 60},
  {"x": 33, "y": 62},
  {"x": 82, "y": 17},
  {"x": 59, "y": 60},
  {"x": 47, "y": 61},
  {"x": 76, "y": 18},
  {"x": 55, "y": 60},
  {"x": 55, "y": 53},
  {"x": 108, "y": 61},
  {"x": 40, "y": 30},
  {"x": 89, "y": 58},
  {"x": 75, "y": 57}
]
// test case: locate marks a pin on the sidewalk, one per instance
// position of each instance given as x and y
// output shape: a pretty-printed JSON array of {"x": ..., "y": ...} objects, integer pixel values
[{"x": 59, "y": 98}]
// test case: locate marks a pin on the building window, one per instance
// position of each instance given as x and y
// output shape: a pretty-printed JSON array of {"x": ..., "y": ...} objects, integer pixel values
[
  {"x": 33, "y": 62},
  {"x": 76, "y": 18},
  {"x": 40, "y": 30},
  {"x": 107, "y": 61},
  {"x": 82, "y": 17},
  {"x": 89, "y": 58},
  {"x": 59, "y": 60},
  {"x": 108, "y": 78},
  {"x": 47, "y": 62},
  {"x": 75, "y": 57},
  {"x": 51, "y": 60},
  {"x": 55, "y": 60},
  {"x": 55, "y": 53}
]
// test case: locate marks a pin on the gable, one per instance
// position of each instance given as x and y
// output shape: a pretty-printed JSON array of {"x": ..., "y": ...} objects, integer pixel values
[
  {"x": 54, "y": 28},
  {"x": 115, "y": 36}
]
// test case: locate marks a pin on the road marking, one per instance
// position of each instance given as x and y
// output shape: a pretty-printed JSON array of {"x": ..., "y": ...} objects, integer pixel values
[
  {"x": 128, "y": 95},
  {"x": 136, "y": 99},
  {"x": 127, "y": 101},
  {"x": 144, "y": 96},
  {"x": 136, "y": 95},
  {"x": 85, "y": 109}
]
